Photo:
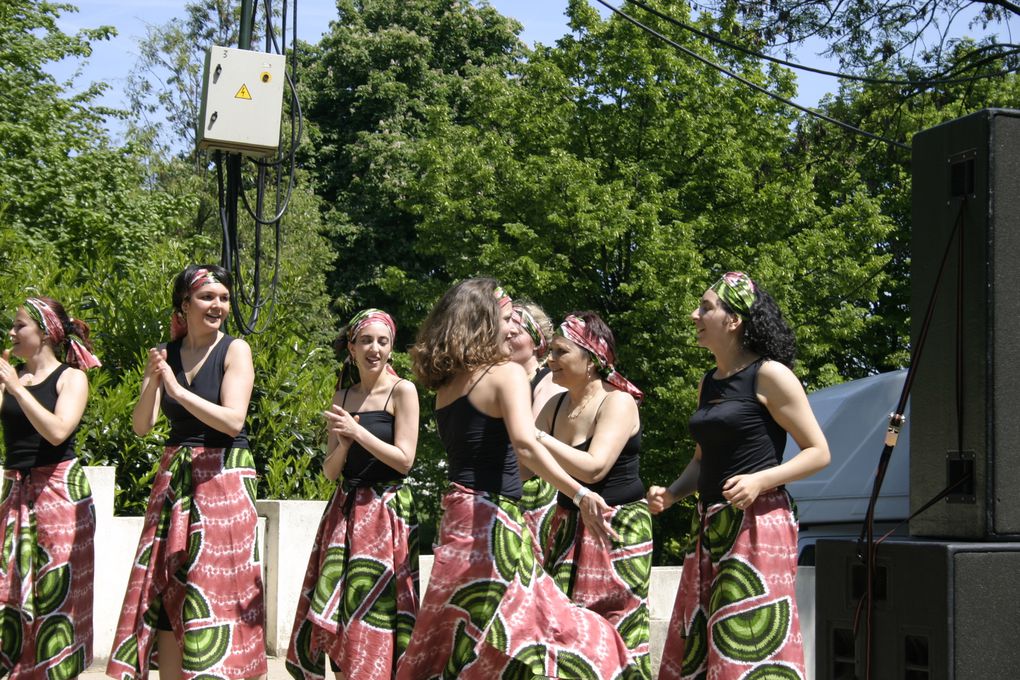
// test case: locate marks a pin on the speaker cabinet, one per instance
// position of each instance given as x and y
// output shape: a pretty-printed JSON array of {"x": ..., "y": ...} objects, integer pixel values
[
  {"x": 943, "y": 611},
  {"x": 970, "y": 164}
]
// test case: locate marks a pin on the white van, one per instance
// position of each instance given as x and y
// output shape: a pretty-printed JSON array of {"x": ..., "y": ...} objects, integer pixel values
[{"x": 833, "y": 503}]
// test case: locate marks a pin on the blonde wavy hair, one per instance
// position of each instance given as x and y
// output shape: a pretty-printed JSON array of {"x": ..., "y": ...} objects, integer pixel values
[
  {"x": 461, "y": 333},
  {"x": 543, "y": 321}
]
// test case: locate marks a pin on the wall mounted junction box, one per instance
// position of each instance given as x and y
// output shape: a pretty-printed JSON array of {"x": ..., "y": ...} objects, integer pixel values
[{"x": 242, "y": 99}]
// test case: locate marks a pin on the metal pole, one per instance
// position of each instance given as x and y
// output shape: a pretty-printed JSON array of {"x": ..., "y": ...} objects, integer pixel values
[{"x": 247, "y": 11}]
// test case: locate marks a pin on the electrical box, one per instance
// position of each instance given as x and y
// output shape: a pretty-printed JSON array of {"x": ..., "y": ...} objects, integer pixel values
[{"x": 242, "y": 99}]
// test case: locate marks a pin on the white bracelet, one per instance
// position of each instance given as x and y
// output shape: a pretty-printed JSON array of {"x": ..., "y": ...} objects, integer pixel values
[
  {"x": 540, "y": 434},
  {"x": 579, "y": 496}
]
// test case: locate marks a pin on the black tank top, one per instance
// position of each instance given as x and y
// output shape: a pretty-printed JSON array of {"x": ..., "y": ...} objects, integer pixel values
[
  {"x": 622, "y": 484},
  {"x": 361, "y": 467},
  {"x": 478, "y": 449},
  {"x": 186, "y": 429},
  {"x": 26, "y": 448},
  {"x": 539, "y": 374},
  {"x": 736, "y": 432}
]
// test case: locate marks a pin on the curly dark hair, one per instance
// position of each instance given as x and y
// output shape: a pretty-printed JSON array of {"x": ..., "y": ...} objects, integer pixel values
[
  {"x": 766, "y": 332},
  {"x": 461, "y": 333}
]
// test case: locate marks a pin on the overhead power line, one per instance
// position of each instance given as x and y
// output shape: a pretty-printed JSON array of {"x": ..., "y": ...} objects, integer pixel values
[
  {"x": 748, "y": 83},
  {"x": 919, "y": 83}
]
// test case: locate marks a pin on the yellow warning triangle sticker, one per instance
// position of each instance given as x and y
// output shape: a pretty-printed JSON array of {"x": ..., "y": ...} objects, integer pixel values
[{"x": 243, "y": 93}]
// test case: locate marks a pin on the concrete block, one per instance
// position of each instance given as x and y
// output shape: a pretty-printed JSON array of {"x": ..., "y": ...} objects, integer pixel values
[
  {"x": 806, "y": 609},
  {"x": 424, "y": 572},
  {"x": 662, "y": 587},
  {"x": 289, "y": 535},
  {"x": 116, "y": 542}
]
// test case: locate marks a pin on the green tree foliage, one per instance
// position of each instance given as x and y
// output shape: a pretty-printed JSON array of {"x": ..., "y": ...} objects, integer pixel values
[
  {"x": 60, "y": 180},
  {"x": 606, "y": 172},
  {"x": 385, "y": 71},
  {"x": 614, "y": 173},
  {"x": 382, "y": 72},
  {"x": 105, "y": 230},
  {"x": 78, "y": 223},
  {"x": 918, "y": 40}
]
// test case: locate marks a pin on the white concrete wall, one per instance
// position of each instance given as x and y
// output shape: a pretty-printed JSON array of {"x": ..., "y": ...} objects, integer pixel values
[
  {"x": 287, "y": 531},
  {"x": 290, "y": 533},
  {"x": 116, "y": 542}
]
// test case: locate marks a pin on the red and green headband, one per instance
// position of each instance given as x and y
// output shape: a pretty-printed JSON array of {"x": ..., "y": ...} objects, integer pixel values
[
  {"x": 502, "y": 298},
  {"x": 76, "y": 354},
  {"x": 178, "y": 324},
  {"x": 737, "y": 290},
  {"x": 576, "y": 330},
  {"x": 370, "y": 316},
  {"x": 534, "y": 331},
  {"x": 358, "y": 323}
]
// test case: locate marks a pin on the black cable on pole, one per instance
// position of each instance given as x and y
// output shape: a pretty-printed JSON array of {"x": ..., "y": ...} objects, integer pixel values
[
  {"x": 295, "y": 131},
  {"x": 920, "y": 83},
  {"x": 867, "y": 545},
  {"x": 233, "y": 195},
  {"x": 748, "y": 83}
]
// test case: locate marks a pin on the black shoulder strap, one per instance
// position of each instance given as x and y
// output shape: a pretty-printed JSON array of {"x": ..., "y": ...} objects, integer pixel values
[
  {"x": 475, "y": 383},
  {"x": 390, "y": 395},
  {"x": 173, "y": 356},
  {"x": 599, "y": 409},
  {"x": 556, "y": 413},
  {"x": 757, "y": 370}
]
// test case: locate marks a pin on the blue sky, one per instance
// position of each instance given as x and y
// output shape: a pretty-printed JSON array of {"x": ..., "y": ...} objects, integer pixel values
[{"x": 111, "y": 62}]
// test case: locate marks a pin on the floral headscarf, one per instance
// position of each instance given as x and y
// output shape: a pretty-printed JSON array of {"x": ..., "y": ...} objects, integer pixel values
[
  {"x": 76, "y": 353},
  {"x": 178, "y": 324},
  {"x": 349, "y": 372},
  {"x": 534, "y": 331},
  {"x": 576, "y": 330},
  {"x": 737, "y": 290},
  {"x": 502, "y": 298}
]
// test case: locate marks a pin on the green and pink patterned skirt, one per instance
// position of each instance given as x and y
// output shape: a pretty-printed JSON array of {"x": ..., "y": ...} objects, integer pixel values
[
  {"x": 359, "y": 599},
  {"x": 197, "y": 561},
  {"x": 490, "y": 613},
  {"x": 46, "y": 572},
  {"x": 538, "y": 504},
  {"x": 612, "y": 583},
  {"x": 736, "y": 610}
]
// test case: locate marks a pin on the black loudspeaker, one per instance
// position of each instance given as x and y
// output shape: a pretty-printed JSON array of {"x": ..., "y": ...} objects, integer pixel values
[
  {"x": 943, "y": 611},
  {"x": 969, "y": 167}
]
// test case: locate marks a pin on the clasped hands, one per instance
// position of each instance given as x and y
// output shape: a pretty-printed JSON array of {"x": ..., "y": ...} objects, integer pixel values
[
  {"x": 341, "y": 423},
  {"x": 159, "y": 371},
  {"x": 8, "y": 374}
]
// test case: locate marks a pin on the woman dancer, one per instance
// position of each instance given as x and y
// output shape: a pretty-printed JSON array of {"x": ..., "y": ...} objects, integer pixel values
[
  {"x": 360, "y": 594},
  {"x": 47, "y": 520},
  {"x": 596, "y": 436},
  {"x": 529, "y": 345},
  {"x": 736, "y": 614},
  {"x": 490, "y": 611},
  {"x": 194, "y": 602}
]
